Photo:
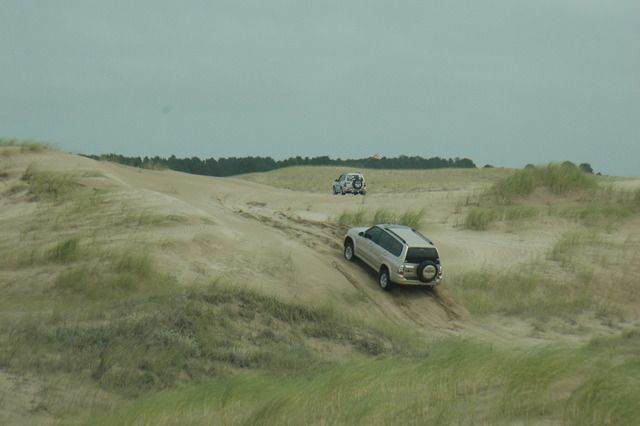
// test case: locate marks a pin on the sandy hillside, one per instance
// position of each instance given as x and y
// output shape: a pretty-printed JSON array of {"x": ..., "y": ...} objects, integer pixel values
[
  {"x": 285, "y": 241},
  {"x": 248, "y": 231}
]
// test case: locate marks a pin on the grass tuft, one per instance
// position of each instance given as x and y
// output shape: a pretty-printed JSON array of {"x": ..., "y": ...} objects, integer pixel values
[
  {"x": 49, "y": 186},
  {"x": 65, "y": 251},
  {"x": 479, "y": 218}
]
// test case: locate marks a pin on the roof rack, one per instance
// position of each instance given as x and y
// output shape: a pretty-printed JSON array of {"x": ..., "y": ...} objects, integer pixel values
[
  {"x": 422, "y": 236},
  {"x": 396, "y": 235}
]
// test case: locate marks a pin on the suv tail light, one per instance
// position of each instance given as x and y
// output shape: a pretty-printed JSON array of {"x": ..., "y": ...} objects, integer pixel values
[{"x": 405, "y": 268}]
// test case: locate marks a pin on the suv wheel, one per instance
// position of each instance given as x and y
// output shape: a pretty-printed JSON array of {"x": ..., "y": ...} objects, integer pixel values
[
  {"x": 349, "y": 252},
  {"x": 384, "y": 280}
]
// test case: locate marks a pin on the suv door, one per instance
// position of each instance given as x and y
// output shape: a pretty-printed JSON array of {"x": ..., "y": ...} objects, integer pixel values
[{"x": 368, "y": 245}]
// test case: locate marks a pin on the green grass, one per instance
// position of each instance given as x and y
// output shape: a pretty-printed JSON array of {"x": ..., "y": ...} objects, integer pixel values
[
  {"x": 65, "y": 251},
  {"x": 455, "y": 382},
  {"x": 364, "y": 217},
  {"x": 559, "y": 179}
]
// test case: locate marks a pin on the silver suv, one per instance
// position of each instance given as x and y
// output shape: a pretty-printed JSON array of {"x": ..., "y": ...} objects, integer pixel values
[
  {"x": 400, "y": 254},
  {"x": 353, "y": 183}
]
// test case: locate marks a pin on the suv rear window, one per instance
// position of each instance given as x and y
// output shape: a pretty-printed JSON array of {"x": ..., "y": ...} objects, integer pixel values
[{"x": 419, "y": 254}]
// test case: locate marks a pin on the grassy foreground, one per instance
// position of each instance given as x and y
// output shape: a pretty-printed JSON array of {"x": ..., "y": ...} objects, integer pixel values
[{"x": 455, "y": 382}]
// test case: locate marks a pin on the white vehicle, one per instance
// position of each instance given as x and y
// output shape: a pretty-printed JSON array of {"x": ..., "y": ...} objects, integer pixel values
[
  {"x": 399, "y": 254},
  {"x": 353, "y": 183}
]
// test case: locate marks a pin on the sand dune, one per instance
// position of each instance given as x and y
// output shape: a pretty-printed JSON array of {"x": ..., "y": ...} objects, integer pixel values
[{"x": 244, "y": 228}]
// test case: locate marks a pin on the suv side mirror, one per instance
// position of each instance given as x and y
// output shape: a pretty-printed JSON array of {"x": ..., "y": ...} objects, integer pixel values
[{"x": 361, "y": 233}]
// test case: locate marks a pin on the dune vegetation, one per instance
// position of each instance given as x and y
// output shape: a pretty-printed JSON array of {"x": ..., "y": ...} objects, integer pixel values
[
  {"x": 454, "y": 382},
  {"x": 572, "y": 194},
  {"x": 146, "y": 297}
]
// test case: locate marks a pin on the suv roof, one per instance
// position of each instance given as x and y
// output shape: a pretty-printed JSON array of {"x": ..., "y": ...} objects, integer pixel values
[{"x": 408, "y": 235}]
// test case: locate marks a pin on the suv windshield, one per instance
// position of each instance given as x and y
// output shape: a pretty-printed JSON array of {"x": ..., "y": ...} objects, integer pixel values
[{"x": 420, "y": 254}]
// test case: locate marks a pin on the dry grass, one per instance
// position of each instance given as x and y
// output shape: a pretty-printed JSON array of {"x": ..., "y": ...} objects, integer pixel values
[
  {"x": 24, "y": 146},
  {"x": 364, "y": 217}
]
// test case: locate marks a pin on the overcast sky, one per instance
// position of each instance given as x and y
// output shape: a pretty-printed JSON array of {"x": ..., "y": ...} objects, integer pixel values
[{"x": 505, "y": 82}]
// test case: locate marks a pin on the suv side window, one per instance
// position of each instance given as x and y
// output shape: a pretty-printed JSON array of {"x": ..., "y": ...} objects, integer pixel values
[
  {"x": 373, "y": 233},
  {"x": 390, "y": 244},
  {"x": 341, "y": 178}
]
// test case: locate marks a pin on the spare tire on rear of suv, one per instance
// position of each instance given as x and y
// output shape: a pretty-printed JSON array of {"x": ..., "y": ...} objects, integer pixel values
[
  {"x": 357, "y": 183},
  {"x": 427, "y": 271}
]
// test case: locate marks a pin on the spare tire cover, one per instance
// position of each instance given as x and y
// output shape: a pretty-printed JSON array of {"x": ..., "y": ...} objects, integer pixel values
[
  {"x": 427, "y": 271},
  {"x": 357, "y": 183}
]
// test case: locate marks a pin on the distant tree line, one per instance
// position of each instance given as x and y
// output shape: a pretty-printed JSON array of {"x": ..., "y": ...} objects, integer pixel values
[{"x": 239, "y": 165}]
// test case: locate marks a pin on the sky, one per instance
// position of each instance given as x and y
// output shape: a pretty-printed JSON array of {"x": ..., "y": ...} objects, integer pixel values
[{"x": 503, "y": 82}]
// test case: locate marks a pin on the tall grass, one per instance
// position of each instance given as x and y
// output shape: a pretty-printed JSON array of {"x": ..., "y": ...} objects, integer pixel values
[
  {"x": 363, "y": 217},
  {"x": 457, "y": 382},
  {"x": 557, "y": 178}
]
